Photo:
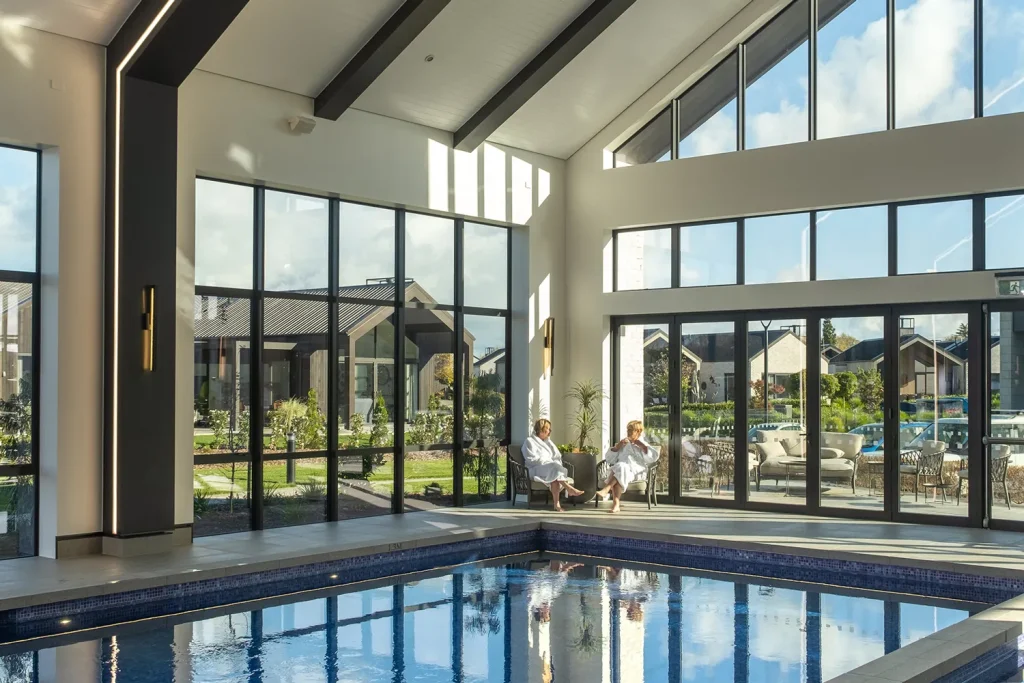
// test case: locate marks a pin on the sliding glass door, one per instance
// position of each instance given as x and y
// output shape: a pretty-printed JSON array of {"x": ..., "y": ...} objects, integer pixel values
[
  {"x": 851, "y": 425},
  {"x": 879, "y": 412},
  {"x": 933, "y": 389}
]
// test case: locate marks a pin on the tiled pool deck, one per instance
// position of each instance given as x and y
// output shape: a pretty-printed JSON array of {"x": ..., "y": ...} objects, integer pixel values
[
  {"x": 968, "y": 564},
  {"x": 36, "y": 581}
]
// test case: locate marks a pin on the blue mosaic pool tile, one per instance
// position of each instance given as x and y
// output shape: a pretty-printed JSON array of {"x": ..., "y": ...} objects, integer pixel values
[
  {"x": 115, "y": 608},
  {"x": 891, "y": 578},
  {"x": 995, "y": 666}
]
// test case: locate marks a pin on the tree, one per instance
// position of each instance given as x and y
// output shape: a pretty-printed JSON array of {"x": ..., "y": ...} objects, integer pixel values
[
  {"x": 829, "y": 386},
  {"x": 845, "y": 341},
  {"x": 314, "y": 427},
  {"x": 870, "y": 388},
  {"x": 444, "y": 371},
  {"x": 828, "y": 332},
  {"x": 847, "y": 386},
  {"x": 961, "y": 332},
  {"x": 655, "y": 376},
  {"x": 796, "y": 382}
]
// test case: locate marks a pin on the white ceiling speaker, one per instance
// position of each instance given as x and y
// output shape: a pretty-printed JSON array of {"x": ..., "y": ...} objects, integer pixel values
[{"x": 302, "y": 124}]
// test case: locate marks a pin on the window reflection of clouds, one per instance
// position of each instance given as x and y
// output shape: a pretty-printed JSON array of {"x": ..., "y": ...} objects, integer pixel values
[
  {"x": 777, "y": 249},
  {"x": 366, "y": 248},
  {"x": 1003, "y": 57},
  {"x": 934, "y": 237},
  {"x": 430, "y": 255},
  {"x": 485, "y": 266},
  {"x": 224, "y": 227},
  {"x": 18, "y": 193},
  {"x": 296, "y": 242}
]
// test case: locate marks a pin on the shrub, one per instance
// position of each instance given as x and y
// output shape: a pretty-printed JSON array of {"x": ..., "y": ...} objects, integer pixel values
[
  {"x": 200, "y": 500},
  {"x": 219, "y": 424}
]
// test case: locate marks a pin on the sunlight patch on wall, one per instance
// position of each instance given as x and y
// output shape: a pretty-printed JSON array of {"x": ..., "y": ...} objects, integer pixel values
[
  {"x": 608, "y": 266},
  {"x": 543, "y": 301},
  {"x": 522, "y": 191},
  {"x": 243, "y": 157},
  {"x": 495, "y": 194},
  {"x": 467, "y": 202},
  {"x": 14, "y": 38},
  {"x": 532, "y": 317},
  {"x": 543, "y": 186},
  {"x": 608, "y": 160},
  {"x": 437, "y": 175}
]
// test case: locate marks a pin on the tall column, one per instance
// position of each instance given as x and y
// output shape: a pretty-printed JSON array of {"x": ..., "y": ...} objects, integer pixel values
[{"x": 156, "y": 49}]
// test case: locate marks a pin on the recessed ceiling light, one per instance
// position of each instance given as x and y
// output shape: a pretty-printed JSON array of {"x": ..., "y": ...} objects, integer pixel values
[
  {"x": 428, "y": 58},
  {"x": 65, "y": 622}
]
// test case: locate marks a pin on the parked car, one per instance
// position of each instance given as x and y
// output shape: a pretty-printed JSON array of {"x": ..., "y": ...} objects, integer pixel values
[
  {"x": 874, "y": 434},
  {"x": 953, "y": 431},
  {"x": 772, "y": 427}
]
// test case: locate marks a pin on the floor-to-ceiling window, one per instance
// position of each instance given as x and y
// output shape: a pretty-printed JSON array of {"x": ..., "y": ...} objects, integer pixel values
[
  {"x": 350, "y": 360},
  {"x": 19, "y": 329}
]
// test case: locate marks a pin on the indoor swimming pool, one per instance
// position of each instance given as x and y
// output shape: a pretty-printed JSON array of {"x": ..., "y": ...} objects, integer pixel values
[{"x": 517, "y": 619}]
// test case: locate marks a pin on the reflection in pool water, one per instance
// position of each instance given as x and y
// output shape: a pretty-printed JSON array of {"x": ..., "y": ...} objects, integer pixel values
[{"x": 528, "y": 620}]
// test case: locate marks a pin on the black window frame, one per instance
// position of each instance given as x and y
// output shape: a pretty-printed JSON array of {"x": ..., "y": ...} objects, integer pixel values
[{"x": 333, "y": 299}]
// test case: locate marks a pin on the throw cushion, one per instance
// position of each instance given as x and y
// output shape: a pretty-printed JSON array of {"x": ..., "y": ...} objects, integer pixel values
[
  {"x": 794, "y": 446},
  {"x": 771, "y": 449},
  {"x": 830, "y": 453}
]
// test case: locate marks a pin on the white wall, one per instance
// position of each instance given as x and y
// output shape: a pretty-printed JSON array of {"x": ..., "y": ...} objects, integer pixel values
[
  {"x": 53, "y": 90},
  {"x": 930, "y": 161},
  {"x": 236, "y": 130}
]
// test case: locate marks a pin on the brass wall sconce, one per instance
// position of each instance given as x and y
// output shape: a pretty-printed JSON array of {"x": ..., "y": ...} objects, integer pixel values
[
  {"x": 148, "y": 323},
  {"x": 549, "y": 347}
]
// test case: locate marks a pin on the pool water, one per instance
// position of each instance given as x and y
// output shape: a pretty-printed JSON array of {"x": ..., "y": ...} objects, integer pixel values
[{"x": 519, "y": 619}]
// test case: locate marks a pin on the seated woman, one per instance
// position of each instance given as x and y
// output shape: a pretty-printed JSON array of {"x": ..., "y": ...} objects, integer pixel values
[
  {"x": 628, "y": 461},
  {"x": 544, "y": 463}
]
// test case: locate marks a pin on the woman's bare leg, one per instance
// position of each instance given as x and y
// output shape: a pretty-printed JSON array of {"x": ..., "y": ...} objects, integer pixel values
[
  {"x": 609, "y": 485},
  {"x": 571, "y": 490},
  {"x": 616, "y": 496},
  {"x": 556, "y": 493}
]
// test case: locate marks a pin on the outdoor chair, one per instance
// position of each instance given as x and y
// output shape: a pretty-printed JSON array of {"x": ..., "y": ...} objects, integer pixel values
[
  {"x": 999, "y": 465},
  {"x": 925, "y": 463},
  {"x": 522, "y": 484},
  {"x": 722, "y": 462},
  {"x": 648, "y": 483}
]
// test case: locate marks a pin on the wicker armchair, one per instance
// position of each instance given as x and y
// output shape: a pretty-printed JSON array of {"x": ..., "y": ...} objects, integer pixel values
[
  {"x": 522, "y": 484},
  {"x": 649, "y": 481}
]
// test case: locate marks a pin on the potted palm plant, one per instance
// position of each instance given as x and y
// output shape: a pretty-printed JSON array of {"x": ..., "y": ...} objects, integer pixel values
[{"x": 586, "y": 421}]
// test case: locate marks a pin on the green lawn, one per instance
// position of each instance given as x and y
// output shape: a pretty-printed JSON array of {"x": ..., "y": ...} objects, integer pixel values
[{"x": 418, "y": 473}]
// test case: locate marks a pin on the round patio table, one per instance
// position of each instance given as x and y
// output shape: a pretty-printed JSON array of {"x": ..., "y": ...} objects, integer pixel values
[
  {"x": 584, "y": 476},
  {"x": 799, "y": 464}
]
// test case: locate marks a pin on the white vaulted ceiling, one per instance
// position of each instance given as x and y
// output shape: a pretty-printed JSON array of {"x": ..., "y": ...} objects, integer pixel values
[
  {"x": 296, "y": 45},
  {"x": 477, "y": 45},
  {"x": 95, "y": 21}
]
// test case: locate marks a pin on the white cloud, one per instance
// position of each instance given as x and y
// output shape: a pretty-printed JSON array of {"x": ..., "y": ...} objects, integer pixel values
[
  {"x": 934, "y": 43},
  {"x": 18, "y": 227}
]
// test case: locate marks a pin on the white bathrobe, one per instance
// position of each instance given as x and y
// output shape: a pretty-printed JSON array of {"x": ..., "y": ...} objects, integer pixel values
[
  {"x": 543, "y": 461},
  {"x": 630, "y": 462}
]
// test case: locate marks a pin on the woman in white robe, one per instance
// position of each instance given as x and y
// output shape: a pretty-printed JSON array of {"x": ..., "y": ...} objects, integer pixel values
[
  {"x": 628, "y": 461},
  {"x": 544, "y": 463}
]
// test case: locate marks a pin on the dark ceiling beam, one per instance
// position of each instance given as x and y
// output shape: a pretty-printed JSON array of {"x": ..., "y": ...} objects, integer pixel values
[
  {"x": 184, "y": 38},
  {"x": 384, "y": 47},
  {"x": 552, "y": 59}
]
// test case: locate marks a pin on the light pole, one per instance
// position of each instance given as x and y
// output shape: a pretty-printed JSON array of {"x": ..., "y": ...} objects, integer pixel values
[{"x": 764, "y": 378}]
